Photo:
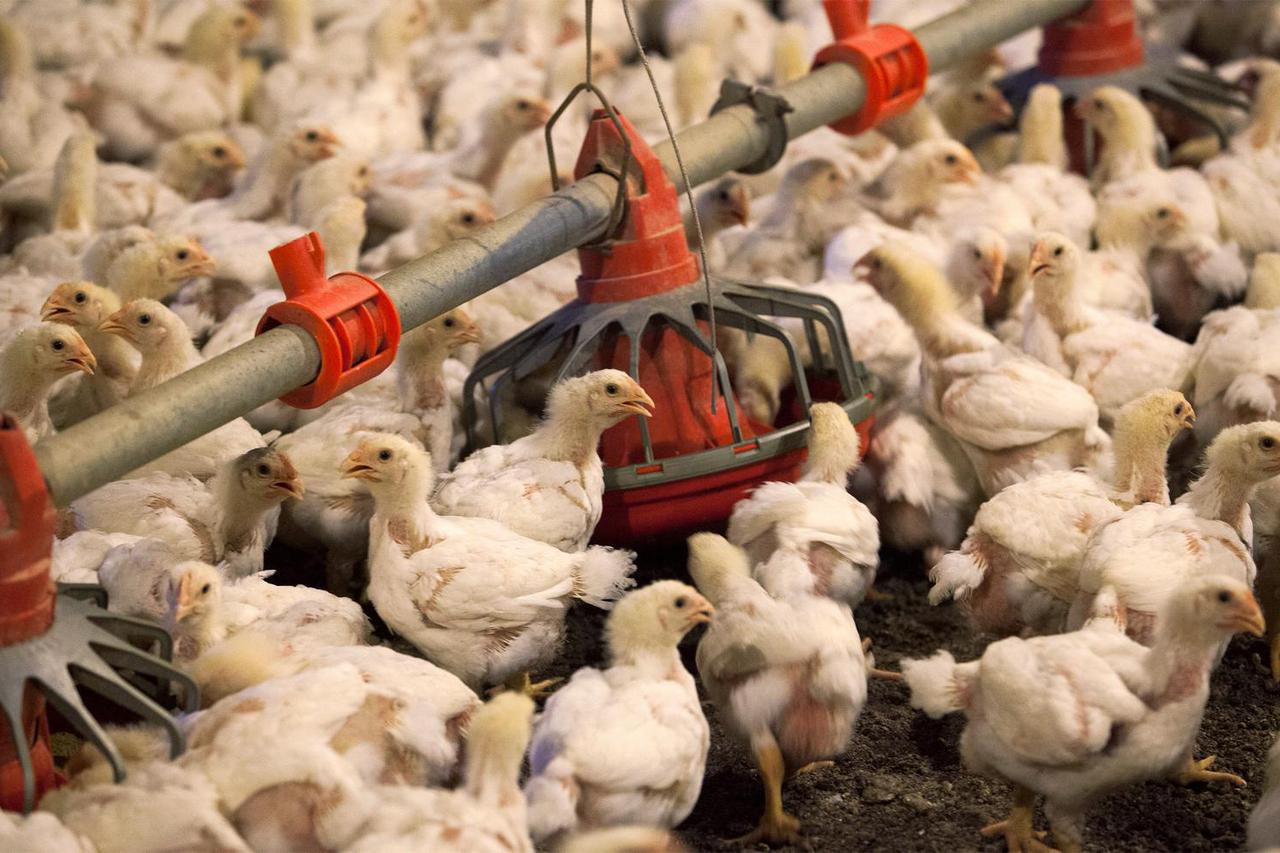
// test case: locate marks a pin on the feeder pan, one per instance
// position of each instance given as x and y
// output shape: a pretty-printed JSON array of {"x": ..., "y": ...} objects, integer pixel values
[
  {"x": 54, "y": 645},
  {"x": 1100, "y": 46},
  {"x": 643, "y": 307}
]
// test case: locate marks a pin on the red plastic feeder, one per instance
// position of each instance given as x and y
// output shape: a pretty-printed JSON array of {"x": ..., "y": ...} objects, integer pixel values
[{"x": 643, "y": 307}]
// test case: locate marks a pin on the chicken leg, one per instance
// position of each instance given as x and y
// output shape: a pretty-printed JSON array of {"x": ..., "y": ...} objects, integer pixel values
[
  {"x": 776, "y": 826},
  {"x": 525, "y": 686},
  {"x": 1198, "y": 771},
  {"x": 886, "y": 674},
  {"x": 1017, "y": 828}
]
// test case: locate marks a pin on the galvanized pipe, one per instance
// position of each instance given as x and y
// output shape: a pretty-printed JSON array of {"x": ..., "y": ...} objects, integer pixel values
[{"x": 142, "y": 428}]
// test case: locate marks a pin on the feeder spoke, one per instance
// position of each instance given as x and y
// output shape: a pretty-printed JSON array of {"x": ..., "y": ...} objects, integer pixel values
[
  {"x": 108, "y": 684},
  {"x": 11, "y": 695},
  {"x": 60, "y": 692}
]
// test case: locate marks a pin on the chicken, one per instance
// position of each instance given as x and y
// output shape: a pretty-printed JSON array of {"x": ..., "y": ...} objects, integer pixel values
[
  {"x": 1012, "y": 415},
  {"x": 335, "y": 512},
  {"x": 430, "y": 231},
  {"x": 230, "y": 519},
  {"x": 548, "y": 485},
  {"x": 627, "y": 744},
  {"x": 162, "y": 338},
  {"x": 31, "y": 363},
  {"x": 815, "y": 521},
  {"x": 913, "y": 182},
  {"x": 1017, "y": 569},
  {"x": 1237, "y": 357},
  {"x": 1152, "y": 549},
  {"x": 296, "y": 760},
  {"x": 1264, "y": 821},
  {"x": 41, "y": 832},
  {"x": 200, "y": 165},
  {"x": 484, "y": 602},
  {"x": 140, "y": 101},
  {"x": 786, "y": 672},
  {"x": 1117, "y": 359},
  {"x": 722, "y": 205},
  {"x": 84, "y": 306},
  {"x": 1075, "y": 716},
  {"x": 485, "y": 815}
]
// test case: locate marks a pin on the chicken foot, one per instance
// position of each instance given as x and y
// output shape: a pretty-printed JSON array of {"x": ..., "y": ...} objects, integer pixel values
[
  {"x": 776, "y": 826},
  {"x": 886, "y": 674},
  {"x": 1017, "y": 829},
  {"x": 525, "y": 686},
  {"x": 1198, "y": 771}
]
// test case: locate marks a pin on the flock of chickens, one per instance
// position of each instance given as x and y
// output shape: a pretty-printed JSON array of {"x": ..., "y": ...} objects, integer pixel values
[{"x": 1060, "y": 357}]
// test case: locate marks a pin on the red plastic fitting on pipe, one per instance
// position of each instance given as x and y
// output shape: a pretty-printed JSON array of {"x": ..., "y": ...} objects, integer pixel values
[
  {"x": 890, "y": 60},
  {"x": 352, "y": 319},
  {"x": 27, "y": 522},
  {"x": 1100, "y": 39}
]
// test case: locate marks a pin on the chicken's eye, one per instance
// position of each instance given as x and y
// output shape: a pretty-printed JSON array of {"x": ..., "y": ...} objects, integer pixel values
[
  {"x": 611, "y": 389},
  {"x": 364, "y": 172},
  {"x": 1162, "y": 213},
  {"x": 1057, "y": 253},
  {"x": 1177, "y": 410},
  {"x": 204, "y": 590},
  {"x": 1099, "y": 104},
  {"x": 80, "y": 297},
  {"x": 977, "y": 253},
  {"x": 522, "y": 105},
  {"x": 144, "y": 319},
  {"x": 952, "y": 159},
  {"x": 312, "y": 136},
  {"x": 1267, "y": 443},
  {"x": 182, "y": 255},
  {"x": 681, "y": 602},
  {"x": 449, "y": 323},
  {"x": 978, "y": 97},
  {"x": 384, "y": 455},
  {"x": 263, "y": 469},
  {"x": 723, "y": 195},
  {"x": 468, "y": 218},
  {"x": 58, "y": 346},
  {"x": 219, "y": 152},
  {"x": 876, "y": 264},
  {"x": 1225, "y": 596}
]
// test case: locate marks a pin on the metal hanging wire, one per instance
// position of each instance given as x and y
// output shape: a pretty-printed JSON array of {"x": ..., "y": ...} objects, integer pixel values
[{"x": 688, "y": 188}]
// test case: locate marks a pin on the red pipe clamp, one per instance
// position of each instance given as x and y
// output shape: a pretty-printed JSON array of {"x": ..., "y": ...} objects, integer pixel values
[
  {"x": 352, "y": 319},
  {"x": 27, "y": 522},
  {"x": 1100, "y": 39},
  {"x": 888, "y": 57}
]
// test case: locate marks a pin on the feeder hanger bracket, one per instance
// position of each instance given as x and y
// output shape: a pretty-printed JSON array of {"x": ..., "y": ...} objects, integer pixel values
[{"x": 769, "y": 108}]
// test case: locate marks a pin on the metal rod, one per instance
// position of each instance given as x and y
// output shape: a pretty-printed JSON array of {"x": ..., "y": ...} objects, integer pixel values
[{"x": 142, "y": 428}]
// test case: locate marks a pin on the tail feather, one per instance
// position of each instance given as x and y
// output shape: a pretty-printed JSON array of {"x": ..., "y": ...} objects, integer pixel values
[
  {"x": 602, "y": 575},
  {"x": 938, "y": 685},
  {"x": 955, "y": 576},
  {"x": 552, "y": 797}
]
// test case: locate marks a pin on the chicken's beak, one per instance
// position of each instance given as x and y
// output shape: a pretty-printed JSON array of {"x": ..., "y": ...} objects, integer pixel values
[
  {"x": 186, "y": 601},
  {"x": 355, "y": 468},
  {"x": 638, "y": 403},
  {"x": 1082, "y": 109},
  {"x": 1189, "y": 417},
  {"x": 702, "y": 613},
  {"x": 81, "y": 359},
  {"x": 468, "y": 334},
  {"x": 1246, "y": 618},
  {"x": 55, "y": 310},
  {"x": 329, "y": 143},
  {"x": 113, "y": 326},
  {"x": 1000, "y": 110},
  {"x": 234, "y": 159},
  {"x": 739, "y": 205},
  {"x": 1039, "y": 259},
  {"x": 995, "y": 276},
  {"x": 541, "y": 112},
  {"x": 200, "y": 263},
  {"x": 292, "y": 487}
]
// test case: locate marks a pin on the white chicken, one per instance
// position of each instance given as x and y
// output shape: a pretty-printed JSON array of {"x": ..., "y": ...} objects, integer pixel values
[
  {"x": 84, "y": 306},
  {"x": 1017, "y": 569},
  {"x": 784, "y": 668},
  {"x": 1115, "y": 358},
  {"x": 1012, "y": 415},
  {"x": 815, "y": 520},
  {"x": 1075, "y": 716},
  {"x": 231, "y": 519},
  {"x": 548, "y": 485},
  {"x": 1139, "y": 558},
  {"x": 480, "y": 600},
  {"x": 31, "y": 363},
  {"x": 626, "y": 744}
]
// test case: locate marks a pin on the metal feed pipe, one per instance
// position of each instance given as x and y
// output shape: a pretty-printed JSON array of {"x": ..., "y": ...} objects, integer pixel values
[{"x": 142, "y": 428}]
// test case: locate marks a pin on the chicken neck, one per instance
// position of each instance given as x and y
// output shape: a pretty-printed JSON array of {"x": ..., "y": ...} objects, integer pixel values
[
  {"x": 420, "y": 376},
  {"x": 240, "y": 513},
  {"x": 1055, "y": 297},
  {"x": 265, "y": 179},
  {"x": 482, "y": 161},
  {"x": 569, "y": 435},
  {"x": 1179, "y": 661},
  {"x": 829, "y": 462},
  {"x": 406, "y": 511},
  {"x": 1040, "y": 136},
  {"x": 1130, "y": 146},
  {"x": 24, "y": 392},
  {"x": 1139, "y": 469},
  {"x": 1265, "y": 124},
  {"x": 116, "y": 360},
  {"x": 75, "y": 186},
  {"x": 1222, "y": 495},
  {"x": 176, "y": 355}
]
